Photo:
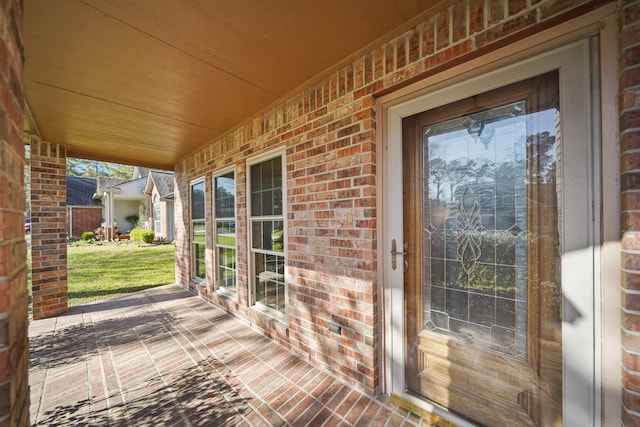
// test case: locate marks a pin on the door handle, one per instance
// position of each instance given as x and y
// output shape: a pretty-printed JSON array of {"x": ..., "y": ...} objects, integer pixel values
[{"x": 395, "y": 252}]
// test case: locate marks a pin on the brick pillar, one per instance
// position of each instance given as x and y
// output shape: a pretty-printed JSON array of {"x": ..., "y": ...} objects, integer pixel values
[
  {"x": 14, "y": 343},
  {"x": 48, "y": 228},
  {"x": 629, "y": 110}
]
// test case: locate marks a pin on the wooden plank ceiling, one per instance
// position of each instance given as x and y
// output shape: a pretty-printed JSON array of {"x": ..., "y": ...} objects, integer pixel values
[{"x": 147, "y": 82}]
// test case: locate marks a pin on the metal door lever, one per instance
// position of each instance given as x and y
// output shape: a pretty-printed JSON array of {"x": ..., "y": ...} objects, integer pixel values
[{"x": 394, "y": 252}]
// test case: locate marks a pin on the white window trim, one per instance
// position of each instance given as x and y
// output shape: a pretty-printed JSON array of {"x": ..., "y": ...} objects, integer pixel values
[
  {"x": 192, "y": 276},
  {"x": 216, "y": 279},
  {"x": 279, "y": 152}
]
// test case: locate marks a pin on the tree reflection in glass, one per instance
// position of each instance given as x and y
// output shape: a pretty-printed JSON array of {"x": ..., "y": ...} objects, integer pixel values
[{"x": 475, "y": 227}]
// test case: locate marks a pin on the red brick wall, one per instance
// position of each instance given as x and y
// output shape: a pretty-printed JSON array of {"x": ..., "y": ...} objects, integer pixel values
[
  {"x": 48, "y": 228},
  {"x": 14, "y": 349},
  {"x": 82, "y": 219},
  {"x": 329, "y": 131},
  {"x": 629, "y": 110}
]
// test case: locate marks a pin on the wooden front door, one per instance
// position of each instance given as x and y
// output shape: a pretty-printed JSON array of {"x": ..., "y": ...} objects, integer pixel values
[{"x": 482, "y": 232}]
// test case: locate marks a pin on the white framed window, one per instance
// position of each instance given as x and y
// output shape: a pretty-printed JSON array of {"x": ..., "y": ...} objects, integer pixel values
[
  {"x": 198, "y": 230},
  {"x": 267, "y": 233},
  {"x": 224, "y": 211},
  {"x": 157, "y": 222}
]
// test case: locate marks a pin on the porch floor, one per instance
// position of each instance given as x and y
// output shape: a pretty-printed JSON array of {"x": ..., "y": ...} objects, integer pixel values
[{"x": 164, "y": 357}]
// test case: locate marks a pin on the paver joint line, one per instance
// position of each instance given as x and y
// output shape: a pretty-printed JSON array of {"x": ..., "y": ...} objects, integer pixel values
[{"x": 163, "y": 356}]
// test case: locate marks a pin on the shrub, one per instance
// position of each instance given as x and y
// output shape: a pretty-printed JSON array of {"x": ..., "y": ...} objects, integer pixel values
[
  {"x": 135, "y": 234},
  {"x": 142, "y": 235},
  {"x": 87, "y": 235},
  {"x": 148, "y": 236}
]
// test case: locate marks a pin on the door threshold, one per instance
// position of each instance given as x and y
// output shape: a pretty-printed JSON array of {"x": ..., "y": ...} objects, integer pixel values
[{"x": 439, "y": 417}]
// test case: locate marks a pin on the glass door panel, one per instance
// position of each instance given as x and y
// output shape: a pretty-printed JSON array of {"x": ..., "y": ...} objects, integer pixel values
[{"x": 483, "y": 273}]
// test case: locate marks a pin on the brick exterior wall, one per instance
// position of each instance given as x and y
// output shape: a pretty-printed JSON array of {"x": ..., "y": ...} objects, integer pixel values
[
  {"x": 14, "y": 344},
  {"x": 81, "y": 219},
  {"x": 329, "y": 131},
  {"x": 629, "y": 110},
  {"x": 48, "y": 228}
]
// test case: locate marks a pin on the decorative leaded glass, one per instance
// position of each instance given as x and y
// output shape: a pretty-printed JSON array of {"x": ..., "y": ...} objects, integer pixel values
[{"x": 475, "y": 224}]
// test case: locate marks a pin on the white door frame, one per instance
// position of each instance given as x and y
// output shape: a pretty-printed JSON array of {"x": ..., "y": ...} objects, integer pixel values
[{"x": 580, "y": 332}]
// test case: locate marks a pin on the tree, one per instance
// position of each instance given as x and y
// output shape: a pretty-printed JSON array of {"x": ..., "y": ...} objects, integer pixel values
[
  {"x": 458, "y": 172},
  {"x": 438, "y": 172},
  {"x": 94, "y": 169}
]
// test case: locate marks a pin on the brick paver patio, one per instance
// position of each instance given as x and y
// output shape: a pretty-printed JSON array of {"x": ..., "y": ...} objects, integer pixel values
[{"x": 163, "y": 357}]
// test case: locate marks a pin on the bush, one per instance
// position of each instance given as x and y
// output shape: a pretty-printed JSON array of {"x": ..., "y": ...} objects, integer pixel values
[
  {"x": 142, "y": 235},
  {"x": 88, "y": 235},
  {"x": 135, "y": 234}
]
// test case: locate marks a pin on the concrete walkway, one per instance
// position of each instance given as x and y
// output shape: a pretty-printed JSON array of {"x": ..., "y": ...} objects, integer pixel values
[{"x": 163, "y": 357}]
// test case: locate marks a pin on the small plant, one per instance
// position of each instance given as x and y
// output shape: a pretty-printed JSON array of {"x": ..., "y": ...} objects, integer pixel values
[
  {"x": 88, "y": 235},
  {"x": 143, "y": 235}
]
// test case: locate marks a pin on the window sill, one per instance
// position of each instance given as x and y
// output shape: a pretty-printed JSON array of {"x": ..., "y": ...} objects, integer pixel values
[
  {"x": 269, "y": 312},
  {"x": 227, "y": 294},
  {"x": 197, "y": 283}
]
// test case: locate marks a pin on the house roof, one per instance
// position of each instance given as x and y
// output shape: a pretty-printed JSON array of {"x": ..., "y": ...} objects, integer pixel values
[
  {"x": 122, "y": 188},
  {"x": 80, "y": 191},
  {"x": 149, "y": 82},
  {"x": 105, "y": 183},
  {"x": 164, "y": 182}
]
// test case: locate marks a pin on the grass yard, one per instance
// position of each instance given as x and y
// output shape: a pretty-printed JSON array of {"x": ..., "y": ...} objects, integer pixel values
[{"x": 97, "y": 272}]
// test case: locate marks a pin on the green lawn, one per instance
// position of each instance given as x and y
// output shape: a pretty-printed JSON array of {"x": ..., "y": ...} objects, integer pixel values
[{"x": 97, "y": 272}]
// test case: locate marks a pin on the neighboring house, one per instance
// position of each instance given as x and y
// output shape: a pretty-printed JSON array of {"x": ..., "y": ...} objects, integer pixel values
[
  {"x": 84, "y": 213},
  {"x": 109, "y": 203},
  {"x": 121, "y": 199},
  {"x": 159, "y": 190}
]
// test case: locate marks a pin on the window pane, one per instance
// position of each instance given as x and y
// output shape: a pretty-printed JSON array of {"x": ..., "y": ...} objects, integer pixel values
[
  {"x": 225, "y": 190},
  {"x": 256, "y": 177},
  {"x": 256, "y": 235},
  {"x": 227, "y": 268},
  {"x": 226, "y": 233},
  {"x": 277, "y": 173},
  {"x": 268, "y": 235},
  {"x": 269, "y": 279},
  {"x": 266, "y": 188},
  {"x": 277, "y": 201},
  {"x": 197, "y": 200},
  {"x": 198, "y": 232},
  {"x": 277, "y": 236},
  {"x": 199, "y": 260},
  {"x": 267, "y": 202},
  {"x": 256, "y": 203},
  {"x": 266, "y": 175}
]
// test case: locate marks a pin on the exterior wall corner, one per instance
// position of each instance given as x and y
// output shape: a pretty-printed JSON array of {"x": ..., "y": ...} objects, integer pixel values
[{"x": 14, "y": 342}]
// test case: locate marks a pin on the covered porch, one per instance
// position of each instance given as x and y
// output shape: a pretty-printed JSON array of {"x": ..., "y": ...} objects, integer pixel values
[{"x": 299, "y": 122}]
